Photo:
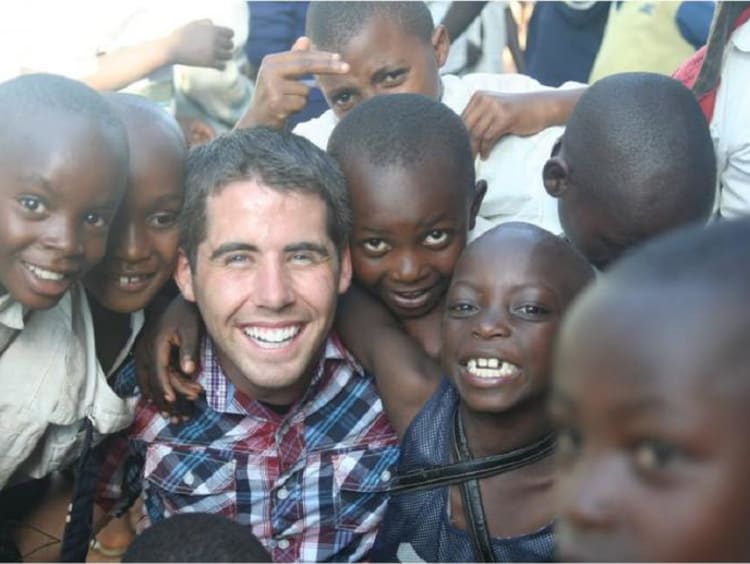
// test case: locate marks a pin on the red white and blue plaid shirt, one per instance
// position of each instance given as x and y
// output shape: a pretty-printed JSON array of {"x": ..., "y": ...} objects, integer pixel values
[{"x": 303, "y": 481}]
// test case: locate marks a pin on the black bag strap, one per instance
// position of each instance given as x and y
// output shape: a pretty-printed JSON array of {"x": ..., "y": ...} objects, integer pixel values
[
  {"x": 471, "y": 495},
  {"x": 477, "y": 468}
]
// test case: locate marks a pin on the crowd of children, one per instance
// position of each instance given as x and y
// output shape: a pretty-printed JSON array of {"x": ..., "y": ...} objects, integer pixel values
[{"x": 541, "y": 355}]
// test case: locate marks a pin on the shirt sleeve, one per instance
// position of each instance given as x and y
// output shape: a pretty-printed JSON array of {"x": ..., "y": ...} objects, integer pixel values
[{"x": 694, "y": 20}]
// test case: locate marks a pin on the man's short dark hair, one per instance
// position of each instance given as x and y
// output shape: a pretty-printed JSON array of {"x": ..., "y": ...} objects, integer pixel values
[
  {"x": 196, "y": 537},
  {"x": 279, "y": 160},
  {"x": 408, "y": 131},
  {"x": 30, "y": 94},
  {"x": 638, "y": 143},
  {"x": 331, "y": 25}
]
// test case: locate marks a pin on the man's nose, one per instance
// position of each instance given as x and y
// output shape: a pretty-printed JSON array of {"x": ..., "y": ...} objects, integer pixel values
[{"x": 273, "y": 286}]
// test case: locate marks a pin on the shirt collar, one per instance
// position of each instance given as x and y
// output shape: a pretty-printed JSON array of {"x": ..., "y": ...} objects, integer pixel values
[
  {"x": 12, "y": 312},
  {"x": 223, "y": 397},
  {"x": 741, "y": 37}
]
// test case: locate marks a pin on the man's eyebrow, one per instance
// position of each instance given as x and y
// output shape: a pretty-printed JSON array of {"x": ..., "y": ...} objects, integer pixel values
[
  {"x": 307, "y": 246},
  {"x": 232, "y": 247}
]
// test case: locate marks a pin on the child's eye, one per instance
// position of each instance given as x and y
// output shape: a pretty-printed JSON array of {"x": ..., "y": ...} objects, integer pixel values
[
  {"x": 94, "y": 220},
  {"x": 650, "y": 456},
  {"x": 462, "y": 308},
  {"x": 436, "y": 238},
  {"x": 394, "y": 78},
  {"x": 568, "y": 445},
  {"x": 342, "y": 100},
  {"x": 32, "y": 204},
  {"x": 375, "y": 246},
  {"x": 162, "y": 220},
  {"x": 532, "y": 311}
]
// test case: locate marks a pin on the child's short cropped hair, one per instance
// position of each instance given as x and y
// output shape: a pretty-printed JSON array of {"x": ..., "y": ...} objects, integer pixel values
[
  {"x": 29, "y": 94},
  {"x": 196, "y": 537},
  {"x": 331, "y": 25},
  {"x": 405, "y": 130},
  {"x": 639, "y": 141}
]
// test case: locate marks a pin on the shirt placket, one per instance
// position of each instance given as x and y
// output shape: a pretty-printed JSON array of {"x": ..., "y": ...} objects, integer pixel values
[{"x": 286, "y": 493}]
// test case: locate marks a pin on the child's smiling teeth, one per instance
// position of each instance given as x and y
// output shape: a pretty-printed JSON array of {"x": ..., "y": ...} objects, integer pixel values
[
  {"x": 271, "y": 338},
  {"x": 491, "y": 368},
  {"x": 128, "y": 280},
  {"x": 43, "y": 273}
]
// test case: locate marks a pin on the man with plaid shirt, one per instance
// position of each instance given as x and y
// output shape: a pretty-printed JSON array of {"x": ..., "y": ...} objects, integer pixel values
[{"x": 290, "y": 438}]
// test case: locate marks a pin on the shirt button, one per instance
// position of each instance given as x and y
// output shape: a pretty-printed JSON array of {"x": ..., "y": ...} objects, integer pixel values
[
  {"x": 282, "y": 494},
  {"x": 385, "y": 476},
  {"x": 189, "y": 479},
  {"x": 283, "y": 544}
]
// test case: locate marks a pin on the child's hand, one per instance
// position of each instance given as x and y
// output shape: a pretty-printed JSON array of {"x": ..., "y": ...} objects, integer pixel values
[
  {"x": 162, "y": 375},
  {"x": 201, "y": 44},
  {"x": 278, "y": 92},
  {"x": 491, "y": 115}
]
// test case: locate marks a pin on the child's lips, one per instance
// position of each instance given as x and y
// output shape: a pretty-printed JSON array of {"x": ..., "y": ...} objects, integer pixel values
[{"x": 412, "y": 299}]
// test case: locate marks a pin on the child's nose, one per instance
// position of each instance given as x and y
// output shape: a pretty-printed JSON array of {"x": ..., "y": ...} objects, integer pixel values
[
  {"x": 587, "y": 494},
  {"x": 492, "y": 324},
  {"x": 64, "y": 235},
  {"x": 134, "y": 245},
  {"x": 408, "y": 267}
]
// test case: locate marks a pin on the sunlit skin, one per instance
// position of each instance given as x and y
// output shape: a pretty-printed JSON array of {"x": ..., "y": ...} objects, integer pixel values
[
  {"x": 280, "y": 275},
  {"x": 61, "y": 178},
  {"x": 653, "y": 454},
  {"x": 505, "y": 302},
  {"x": 404, "y": 248},
  {"x": 385, "y": 59}
]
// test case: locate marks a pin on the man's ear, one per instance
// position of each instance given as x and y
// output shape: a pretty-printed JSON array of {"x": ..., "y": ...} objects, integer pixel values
[
  {"x": 183, "y": 276},
  {"x": 441, "y": 43},
  {"x": 480, "y": 189},
  {"x": 345, "y": 271},
  {"x": 555, "y": 173}
]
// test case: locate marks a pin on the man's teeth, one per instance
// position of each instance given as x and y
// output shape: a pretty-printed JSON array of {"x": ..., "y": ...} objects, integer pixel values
[
  {"x": 44, "y": 274},
  {"x": 491, "y": 368},
  {"x": 272, "y": 337}
]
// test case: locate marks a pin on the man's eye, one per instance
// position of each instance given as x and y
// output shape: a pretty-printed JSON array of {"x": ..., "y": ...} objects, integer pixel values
[
  {"x": 302, "y": 258},
  {"x": 162, "y": 220},
  {"x": 436, "y": 238},
  {"x": 32, "y": 204},
  {"x": 94, "y": 220},
  {"x": 375, "y": 246},
  {"x": 654, "y": 455},
  {"x": 236, "y": 259}
]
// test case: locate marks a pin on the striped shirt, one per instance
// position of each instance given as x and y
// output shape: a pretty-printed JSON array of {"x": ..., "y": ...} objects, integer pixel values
[{"x": 302, "y": 481}]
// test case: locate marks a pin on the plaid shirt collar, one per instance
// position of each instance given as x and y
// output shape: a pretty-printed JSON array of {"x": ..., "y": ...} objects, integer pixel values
[{"x": 223, "y": 397}]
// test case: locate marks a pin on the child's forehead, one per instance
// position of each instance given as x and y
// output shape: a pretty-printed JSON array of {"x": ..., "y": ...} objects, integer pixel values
[{"x": 372, "y": 31}]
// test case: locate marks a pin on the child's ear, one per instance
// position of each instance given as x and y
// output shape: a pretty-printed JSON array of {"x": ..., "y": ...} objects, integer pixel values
[
  {"x": 480, "y": 189},
  {"x": 441, "y": 42},
  {"x": 345, "y": 272},
  {"x": 555, "y": 172},
  {"x": 183, "y": 276}
]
